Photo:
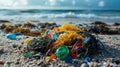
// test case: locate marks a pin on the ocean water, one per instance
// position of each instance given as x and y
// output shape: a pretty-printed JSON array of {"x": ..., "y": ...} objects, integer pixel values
[{"x": 79, "y": 15}]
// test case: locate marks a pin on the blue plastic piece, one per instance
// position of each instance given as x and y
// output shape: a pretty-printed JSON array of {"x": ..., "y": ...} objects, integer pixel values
[
  {"x": 86, "y": 40},
  {"x": 78, "y": 50},
  {"x": 68, "y": 59},
  {"x": 54, "y": 36},
  {"x": 87, "y": 59},
  {"x": 11, "y": 36},
  {"x": 47, "y": 31}
]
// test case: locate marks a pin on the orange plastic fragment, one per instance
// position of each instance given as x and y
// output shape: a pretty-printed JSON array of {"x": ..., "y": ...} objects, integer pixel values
[{"x": 53, "y": 56}]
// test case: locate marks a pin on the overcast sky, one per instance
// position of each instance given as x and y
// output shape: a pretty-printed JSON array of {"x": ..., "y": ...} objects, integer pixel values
[{"x": 106, "y": 4}]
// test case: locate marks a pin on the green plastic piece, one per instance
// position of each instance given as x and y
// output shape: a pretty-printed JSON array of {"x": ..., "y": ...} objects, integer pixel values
[
  {"x": 28, "y": 54},
  {"x": 62, "y": 52}
]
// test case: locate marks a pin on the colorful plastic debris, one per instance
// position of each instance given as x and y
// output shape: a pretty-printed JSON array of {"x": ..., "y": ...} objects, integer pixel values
[
  {"x": 53, "y": 56},
  {"x": 28, "y": 54},
  {"x": 67, "y": 37},
  {"x": 62, "y": 52},
  {"x": 68, "y": 59},
  {"x": 66, "y": 42},
  {"x": 27, "y": 41},
  {"x": 87, "y": 59},
  {"x": 11, "y": 36},
  {"x": 69, "y": 27},
  {"x": 54, "y": 36}
]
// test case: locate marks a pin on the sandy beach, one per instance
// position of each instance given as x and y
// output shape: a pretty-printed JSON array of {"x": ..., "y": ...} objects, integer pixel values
[
  {"x": 59, "y": 33},
  {"x": 11, "y": 52}
]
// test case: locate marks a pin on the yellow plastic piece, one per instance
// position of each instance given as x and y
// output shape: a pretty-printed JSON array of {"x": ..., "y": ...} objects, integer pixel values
[
  {"x": 66, "y": 38},
  {"x": 47, "y": 58},
  {"x": 69, "y": 27},
  {"x": 27, "y": 41}
]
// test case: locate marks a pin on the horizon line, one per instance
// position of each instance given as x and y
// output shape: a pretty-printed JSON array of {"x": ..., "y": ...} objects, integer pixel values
[{"x": 58, "y": 8}]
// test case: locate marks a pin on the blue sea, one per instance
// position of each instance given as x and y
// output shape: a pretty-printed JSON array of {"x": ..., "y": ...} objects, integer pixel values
[{"x": 79, "y": 15}]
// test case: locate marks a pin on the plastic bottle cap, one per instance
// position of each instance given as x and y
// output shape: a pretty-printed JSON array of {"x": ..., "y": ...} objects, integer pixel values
[
  {"x": 62, "y": 52},
  {"x": 27, "y": 41},
  {"x": 87, "y": 59}
]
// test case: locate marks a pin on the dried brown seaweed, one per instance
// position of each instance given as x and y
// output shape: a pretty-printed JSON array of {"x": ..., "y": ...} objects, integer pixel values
[
  {"x": 116, "y": 24},
  {"x": 8, "y": 29},
  {"x": 3, "y": 26},
  {"x": 29, "y": 25},
  {"x": 99, "y": 23},
  {"x": 21, "y": 30}
]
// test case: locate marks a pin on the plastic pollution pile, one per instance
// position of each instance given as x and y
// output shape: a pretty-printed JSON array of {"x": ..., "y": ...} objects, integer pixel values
[{"x": 66, "y": 42}]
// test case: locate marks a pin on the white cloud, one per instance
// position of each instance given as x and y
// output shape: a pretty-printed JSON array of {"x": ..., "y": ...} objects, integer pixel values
[
  {"x": 52, "y": 2},
  {"x": 5, "y": 3},
  {"x": 46, "y": 3},
  {"x": 73, "y": 2},
  {"x": 101, "y": 3},
  {"x": 21, "y": 3}
]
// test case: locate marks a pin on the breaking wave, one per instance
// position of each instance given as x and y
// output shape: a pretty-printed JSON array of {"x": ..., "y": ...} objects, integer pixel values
[{"x": 60, "y": 14}]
